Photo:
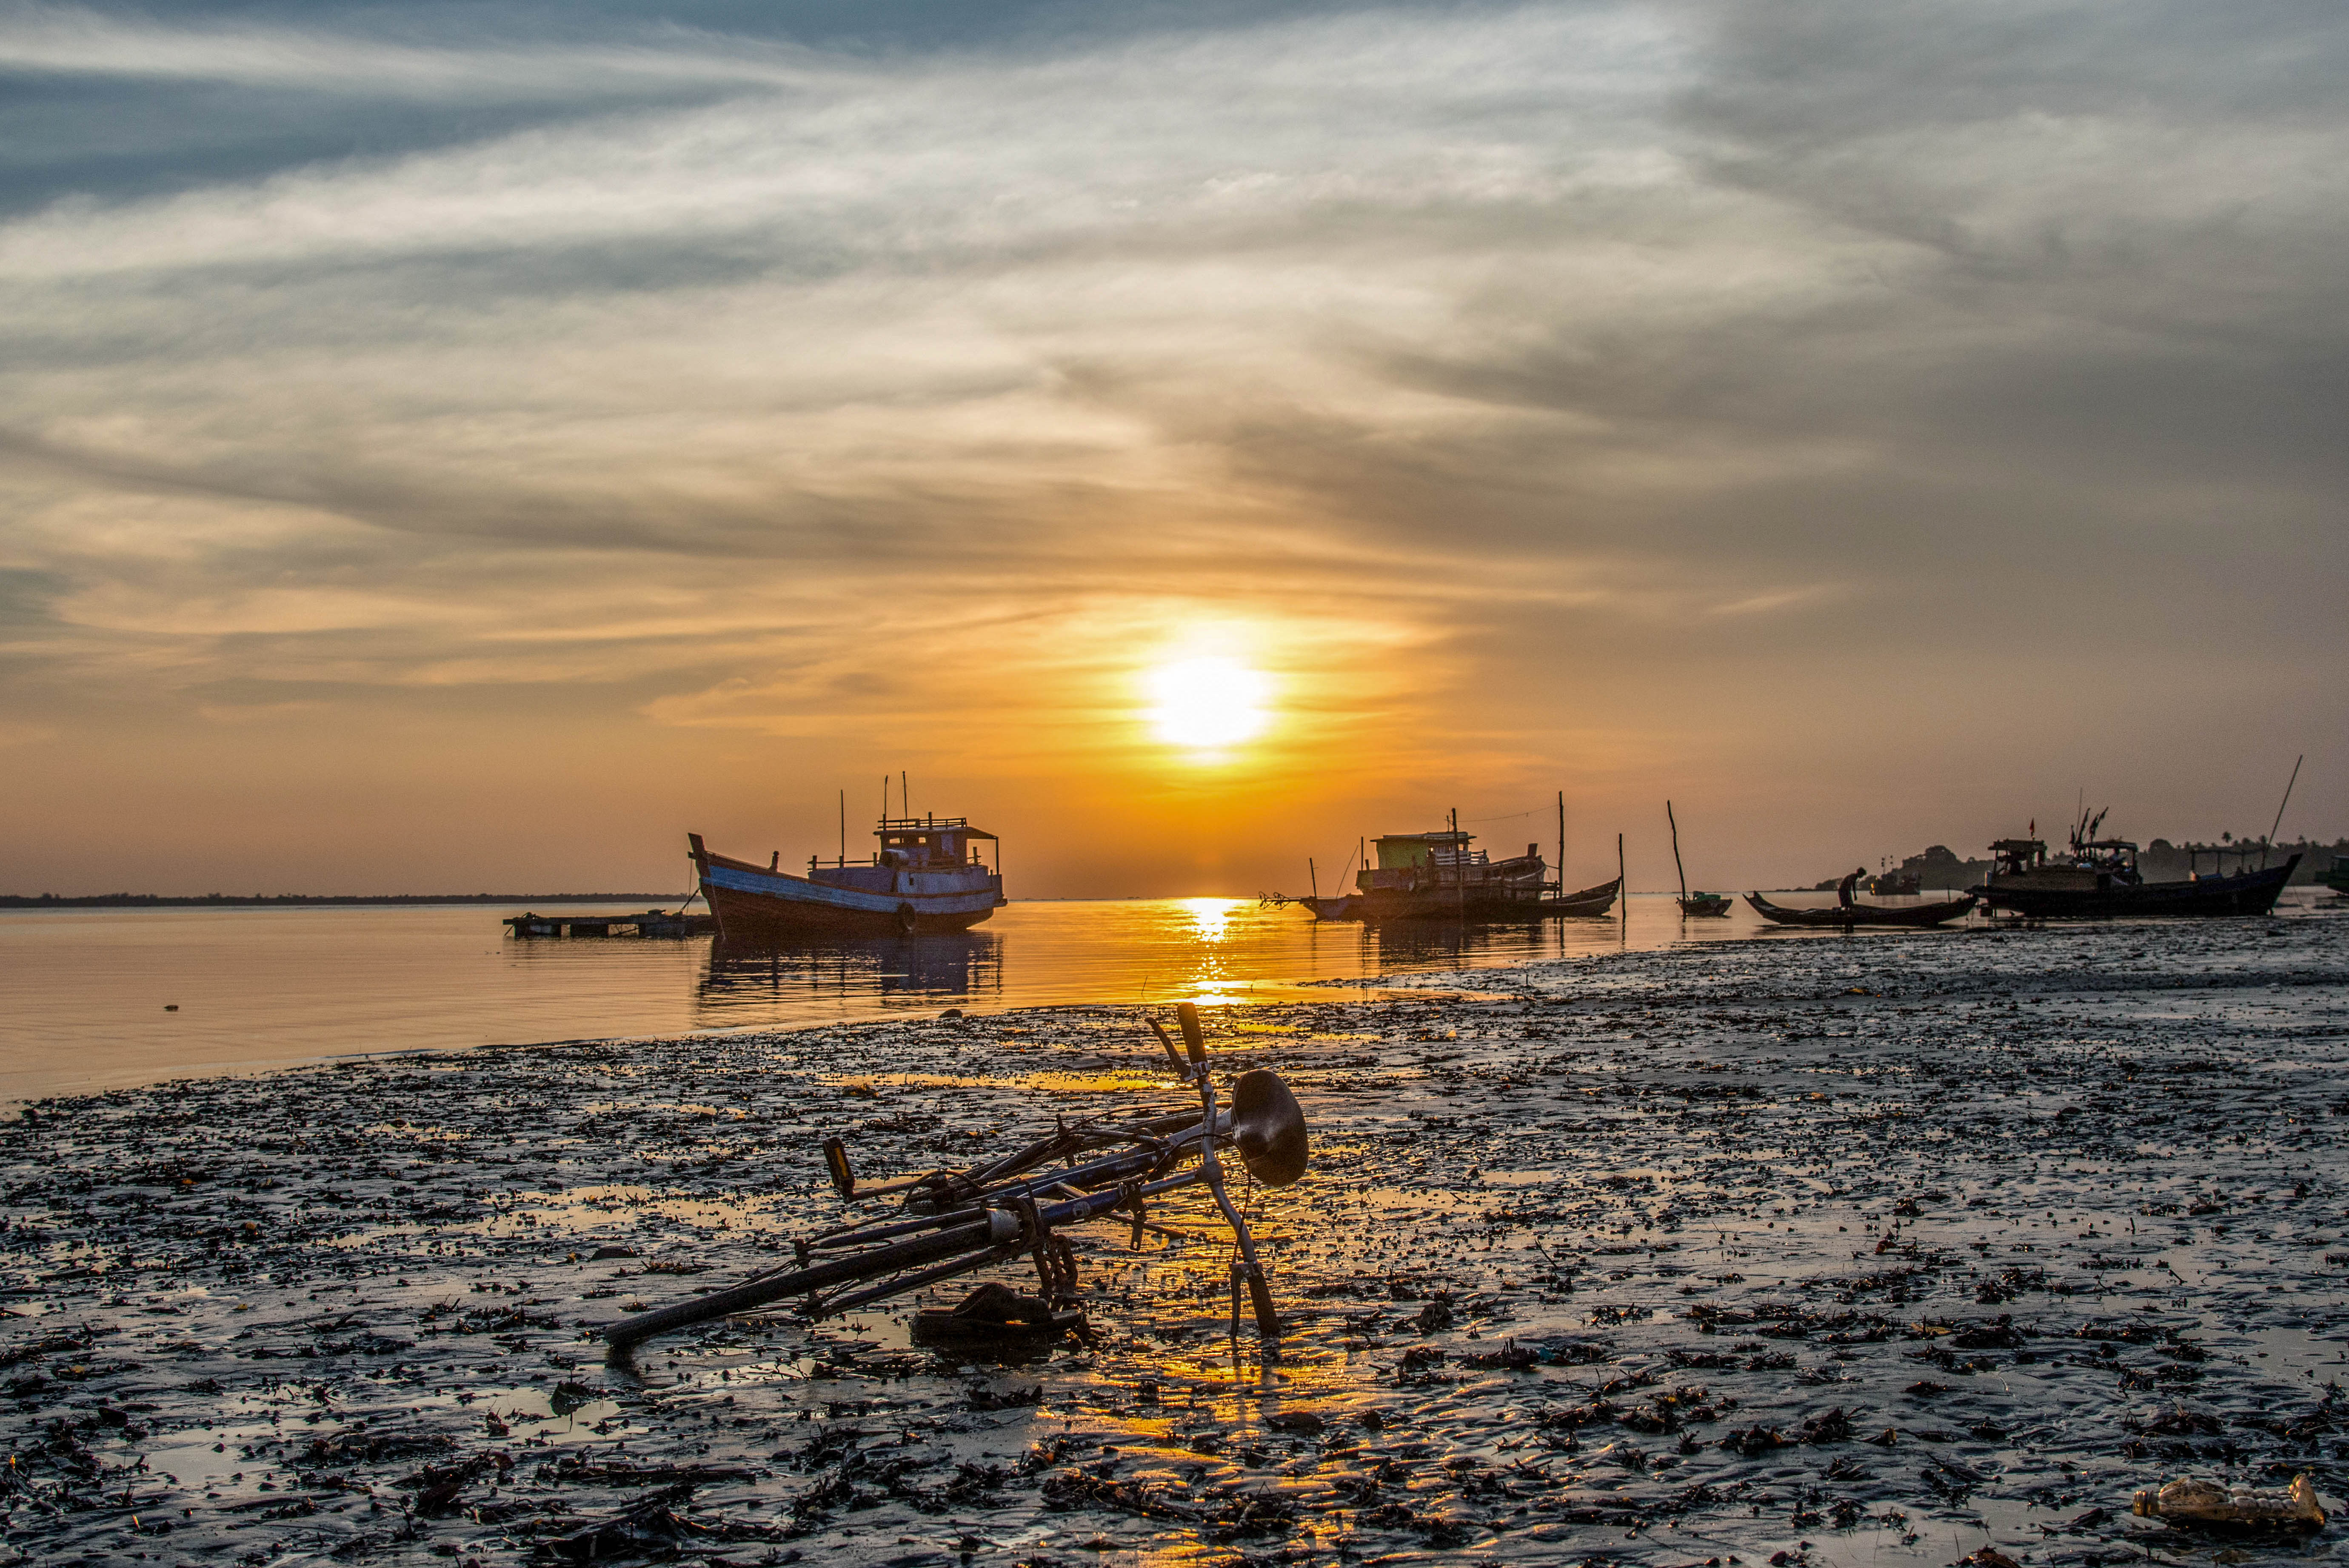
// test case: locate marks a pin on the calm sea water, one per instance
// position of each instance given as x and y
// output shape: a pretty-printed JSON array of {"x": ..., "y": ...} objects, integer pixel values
[{"x": 83, "y": 993}]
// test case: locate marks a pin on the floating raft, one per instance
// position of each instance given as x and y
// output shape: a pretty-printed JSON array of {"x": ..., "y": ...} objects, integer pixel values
[{"x": 650, "y": 923}]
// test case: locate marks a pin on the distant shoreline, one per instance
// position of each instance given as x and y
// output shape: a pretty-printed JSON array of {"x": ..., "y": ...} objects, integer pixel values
[{"x": 280, "y": 900}]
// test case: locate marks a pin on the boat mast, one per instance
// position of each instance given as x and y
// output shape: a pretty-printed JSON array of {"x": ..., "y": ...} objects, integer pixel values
[
  {"x": 2280, "y": 805},
  {"x": 1561, "y": 843},
  {"x": 844, "y": 825},
  {"x": 1459, "y": 871},
  {"x": 1676, "y": 851},
  {"x": 1622, "y": 892}
]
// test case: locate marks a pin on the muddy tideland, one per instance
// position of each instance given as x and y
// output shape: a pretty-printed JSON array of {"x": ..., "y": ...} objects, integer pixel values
[{"x": 1876, "y": 1251}]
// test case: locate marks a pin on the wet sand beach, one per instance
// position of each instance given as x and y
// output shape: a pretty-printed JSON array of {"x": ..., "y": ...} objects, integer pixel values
[{"x": 1864, "y": 1250}]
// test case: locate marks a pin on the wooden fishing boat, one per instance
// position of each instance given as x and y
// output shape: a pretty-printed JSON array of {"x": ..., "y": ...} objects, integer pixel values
[
  {"x": 1438, "y": 877},
  {"x": 1589, "y": 901},
  {"x": 2038, "y": 889},
  {"x": 1850, "y": 912},
  {"x": 926, "y": 875},
  {"x": 1699, "y": 902},
  {"x": 2097, "y": 878}
]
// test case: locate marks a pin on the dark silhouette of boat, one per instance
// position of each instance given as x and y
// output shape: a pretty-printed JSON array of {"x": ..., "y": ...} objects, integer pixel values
[
  {"x": 2097, "y": 878},
  {"x": 925, "y": 877},
  {"x": 1699, "y": 902},
  {"x": 1432, "y": 904},
  {"x": 1850, "y": 911},
  {"x": 1437, "y": 876},
  {"x": 1588, "y": 901}
]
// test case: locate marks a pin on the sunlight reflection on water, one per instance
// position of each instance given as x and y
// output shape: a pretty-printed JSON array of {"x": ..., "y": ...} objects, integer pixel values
[
  {"x": 1209, "y": 917},
  {"x": 252, "y": 988}
]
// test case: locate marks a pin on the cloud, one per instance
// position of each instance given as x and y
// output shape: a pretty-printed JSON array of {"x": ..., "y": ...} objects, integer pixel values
[
  {"x": 1499, "y": 369},
  {"x": 72, "y": 41}
]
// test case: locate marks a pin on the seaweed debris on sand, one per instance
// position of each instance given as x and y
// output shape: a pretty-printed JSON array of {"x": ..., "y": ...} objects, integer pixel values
[{"x": 1893, "y": 1251}]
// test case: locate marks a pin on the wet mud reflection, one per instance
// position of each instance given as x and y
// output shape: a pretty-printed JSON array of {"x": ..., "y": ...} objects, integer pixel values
[{"x": 1867, "y": 1252}]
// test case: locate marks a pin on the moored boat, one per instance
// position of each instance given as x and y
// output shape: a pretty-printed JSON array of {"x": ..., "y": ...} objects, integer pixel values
[
  {"x": 1699, "y": 902},
  {"x": 1439, "y": 876},
  {"x": 1596, "y": 900},
  {"x": 1850, "y": 911},
  {"x": 926, "y": 876},
  {"x": 2097, "y": 878},
  {"x": 1588, "y": 901},
  {"x": 1858, "y": 914}
]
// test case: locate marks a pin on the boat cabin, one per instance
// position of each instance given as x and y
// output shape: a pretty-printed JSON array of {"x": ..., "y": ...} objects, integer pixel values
[
  {"x": 1408, "y": 860},
  {"x": 2019, "y": 854},
  {"x": 2093, "y": 866},
  {"x": 909, "y": 844},
  {"x": 926, "y": 842}
]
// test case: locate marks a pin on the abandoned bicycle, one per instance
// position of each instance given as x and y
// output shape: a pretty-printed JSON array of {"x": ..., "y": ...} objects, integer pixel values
[{"x": 957, "y": 1222}]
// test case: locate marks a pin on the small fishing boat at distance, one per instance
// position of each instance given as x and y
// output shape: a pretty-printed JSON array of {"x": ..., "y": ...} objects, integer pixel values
[
  {"x": 926, "y": 875},
  {"x": 1700, "y": 903},
  {"x": 1850, "y": 911}
]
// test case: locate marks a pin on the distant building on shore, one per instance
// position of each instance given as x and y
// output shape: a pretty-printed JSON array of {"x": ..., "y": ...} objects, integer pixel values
[{"x": 1936, "y": 868}]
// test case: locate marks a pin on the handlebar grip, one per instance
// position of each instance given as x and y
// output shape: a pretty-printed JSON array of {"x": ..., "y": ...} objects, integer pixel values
[
  {"x": 1194, "y": 1041},
  {"x": 835, "y": 1164}
]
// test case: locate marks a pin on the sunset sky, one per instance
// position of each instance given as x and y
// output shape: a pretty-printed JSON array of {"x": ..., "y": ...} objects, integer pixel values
[{"x": 466, "y": 447}]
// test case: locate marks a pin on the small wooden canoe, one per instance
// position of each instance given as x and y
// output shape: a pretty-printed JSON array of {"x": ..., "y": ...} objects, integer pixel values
[
  {"x": 1863, "y": 914},
  {"x": 1589, "y": 901},
  {"x": 1705, "y": 904}
]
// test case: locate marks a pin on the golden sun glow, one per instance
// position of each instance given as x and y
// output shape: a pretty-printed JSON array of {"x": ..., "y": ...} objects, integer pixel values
[
  {"x": 1209, "y": 917},
  {"x": 1207, "y": 702}
]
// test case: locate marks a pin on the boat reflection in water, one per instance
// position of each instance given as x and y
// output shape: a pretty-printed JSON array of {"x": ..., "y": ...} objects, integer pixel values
[
  {"x": 748, "y": 981},
  {"x": 1434, "y": 944}
]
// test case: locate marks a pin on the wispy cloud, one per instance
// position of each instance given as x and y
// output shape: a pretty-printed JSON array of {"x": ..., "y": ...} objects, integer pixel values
[
  {"x": 1478, "y": 365},
  {"x": 73, "y": 41}
]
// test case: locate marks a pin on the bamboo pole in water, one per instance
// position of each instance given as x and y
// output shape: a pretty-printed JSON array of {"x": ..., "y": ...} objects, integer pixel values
[{"x": 1676, "y": 855}]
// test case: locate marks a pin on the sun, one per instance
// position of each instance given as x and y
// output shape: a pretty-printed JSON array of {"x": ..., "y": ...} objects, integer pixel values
[{"x": 1207, "y": 703}]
